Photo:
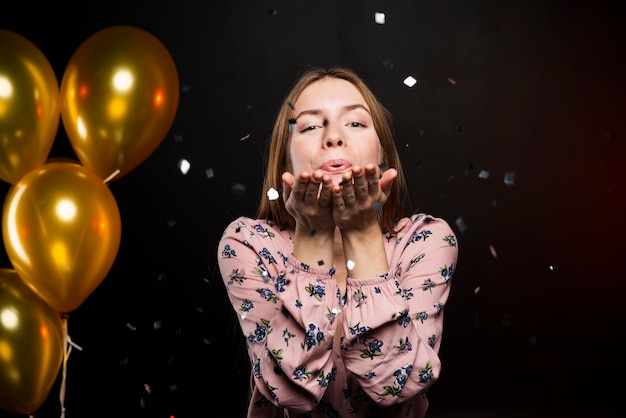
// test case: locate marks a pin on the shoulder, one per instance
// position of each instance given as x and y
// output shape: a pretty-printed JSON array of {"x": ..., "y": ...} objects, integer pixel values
[
  {"x": 245, "y": 227},
  {"x": 421, "y": 226}
]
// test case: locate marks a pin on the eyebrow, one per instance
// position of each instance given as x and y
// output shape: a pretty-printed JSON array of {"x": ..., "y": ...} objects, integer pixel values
[{"x": 318, "y": 111}]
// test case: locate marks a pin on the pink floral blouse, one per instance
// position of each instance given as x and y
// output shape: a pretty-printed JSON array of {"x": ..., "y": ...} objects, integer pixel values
[{"x": 392, "y": 325}]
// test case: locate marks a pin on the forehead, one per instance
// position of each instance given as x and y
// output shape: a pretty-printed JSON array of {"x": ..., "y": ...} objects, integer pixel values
[{"x": 327, "y": 92}]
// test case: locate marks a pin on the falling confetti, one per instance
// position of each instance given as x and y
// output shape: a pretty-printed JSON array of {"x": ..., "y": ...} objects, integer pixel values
[
  {"x": 476, "y": 290},
  {"x": 238, "y": 189},
  {"x": 460, "y": 223},
  {"x": 350, "y": 264},
  {"x": 484, "y": 174},
  {"x": 493, "y": 251},
  {"x": 243, "y": 138},
  {"x": 184, "y": 166},
  {"x": 509, "y": 178},
  {"x": 452, "y": 81},
  {"x": 554, "y": 268},
  {"x": 379, "y": 18},
  {"x": 209, "y": 173},
  {"x": 410, "y": 81},
  {"x": 272, "y": 194}
]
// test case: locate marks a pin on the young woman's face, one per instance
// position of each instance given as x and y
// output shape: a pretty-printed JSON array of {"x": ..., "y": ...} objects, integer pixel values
[{"x": 333, "y": 130}]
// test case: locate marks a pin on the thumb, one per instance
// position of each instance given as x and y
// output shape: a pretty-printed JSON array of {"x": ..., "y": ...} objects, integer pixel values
[{"x": 387, "y": 179}]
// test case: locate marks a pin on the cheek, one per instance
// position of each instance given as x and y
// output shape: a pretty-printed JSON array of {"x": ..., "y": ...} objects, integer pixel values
[{"x": 297, "y": 158}]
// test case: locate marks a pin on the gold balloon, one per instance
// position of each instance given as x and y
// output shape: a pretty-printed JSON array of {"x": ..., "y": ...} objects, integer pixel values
[
  {"x": 29, "y": 106},
  {"x": 62, "y": 229},
  {"x": 31, "y": 346},
  {"x": 119, "y": 96}
]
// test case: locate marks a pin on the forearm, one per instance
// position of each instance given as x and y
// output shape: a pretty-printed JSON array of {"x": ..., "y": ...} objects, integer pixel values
[
  {"x": 364, "y": 252},
  {"x": 314, "y": 248}
]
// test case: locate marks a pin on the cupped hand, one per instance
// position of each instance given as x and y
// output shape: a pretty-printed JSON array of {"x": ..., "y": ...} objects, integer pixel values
[
  {"x": 360, "y": 196},
  {"x": 308, "y": 199}
]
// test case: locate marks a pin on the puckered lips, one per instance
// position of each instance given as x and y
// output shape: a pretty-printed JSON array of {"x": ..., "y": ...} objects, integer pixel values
[{"x": 337, "y": 165}]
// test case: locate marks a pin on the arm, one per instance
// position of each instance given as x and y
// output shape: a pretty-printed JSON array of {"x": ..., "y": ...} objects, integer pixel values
[
  {"x": 393, "y": 322},
  {"x": 286, "y": 310}
]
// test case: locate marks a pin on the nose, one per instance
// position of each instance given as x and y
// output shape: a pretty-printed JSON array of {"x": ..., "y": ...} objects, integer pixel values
[{"x": 333, "y": 137}]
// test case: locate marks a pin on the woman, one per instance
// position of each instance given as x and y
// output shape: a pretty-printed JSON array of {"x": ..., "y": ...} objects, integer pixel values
[{"x": 340, "y": 297}]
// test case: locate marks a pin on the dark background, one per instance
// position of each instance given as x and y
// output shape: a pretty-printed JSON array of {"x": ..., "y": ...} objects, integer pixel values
[{"x": 534, "y": 88}]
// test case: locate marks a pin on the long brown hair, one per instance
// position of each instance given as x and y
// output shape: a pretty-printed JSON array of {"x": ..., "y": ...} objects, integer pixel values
[{"x": 278, "y": 151}]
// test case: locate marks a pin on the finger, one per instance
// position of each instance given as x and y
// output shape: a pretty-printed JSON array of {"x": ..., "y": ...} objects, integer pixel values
[
  {"x": 373, "y": 179},
  {"x": 387, "y": 179},
  {"x": 313, "y": 188},
  {"x": 360, "y": 184},
  {"x": 348, "y": 192},
  {"x": 325, "y": 197},
  {"x": 300, "y": 185},
  {"x": 338, "y": 202},
  {"x": 288, "y": 180}
]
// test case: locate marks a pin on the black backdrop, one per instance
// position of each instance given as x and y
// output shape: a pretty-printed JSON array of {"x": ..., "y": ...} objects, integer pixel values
[{"x": 533, "y": 88}]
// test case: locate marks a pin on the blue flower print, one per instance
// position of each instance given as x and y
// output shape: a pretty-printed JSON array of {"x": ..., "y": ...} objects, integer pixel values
[
  {"x": 263, "y": 232},
  {"x": 301, "y": 373},
  {"x": 283, "y": 257},
  {"x": 400, "y": 378},
  {"x": 317, "y": 291},
  {"x": 228, "y": 252},
  {"x": 358, "y": 329},
  {"x": 359, "y": 298},
  {"x": 403, "y": 319},
  {"x": 331, "y": 315},
  {"x": 280, "y": 282},
  {"x": 428, "y": 285},
  {"x": 287, "y": 335},
  {"x": 236, "y": 276},
  {"x": 324, "y": 380},
  {"x": 256, "y": 367},
  {"x": 240, "y": 225},
  {"x": 313, "y": 337},
  {"x": 407, "y": 294},
  {"x": 446, "y": 273},
  {"x": 268, "y": 295},
  {"x": 398, "y": 271},
  {"x": 265, "y": 253},
  {"x": 439, "y": 307},
  {"x": 426, "y": 373},
  {"x": 422, "y": 316},
  {"x": 259, "y": 333},
  {"x": 404, "y": 347},
  {"x": 246, "y": 306},
  {"x": 417, "y": 236},
  {"x": 372, "y": 348},
  {"x": 450, "y": 239},
  {"x": 431, "y": 340},
  {"x": 370, "y": 375}
]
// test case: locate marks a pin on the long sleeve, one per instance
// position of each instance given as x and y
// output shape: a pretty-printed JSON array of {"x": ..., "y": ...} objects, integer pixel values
[
  {"x": 286, "y": 311},
  {"x": 393, "y": 323}
]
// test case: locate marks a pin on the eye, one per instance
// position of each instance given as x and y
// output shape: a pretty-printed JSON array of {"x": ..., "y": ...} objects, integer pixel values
[
  {"x": 309, "y": 128},
  {"x": 356, "y": 125}
]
